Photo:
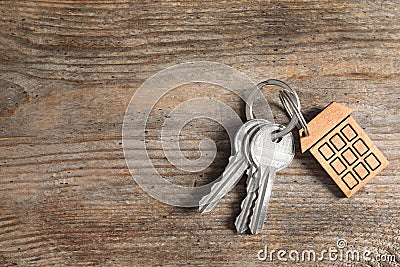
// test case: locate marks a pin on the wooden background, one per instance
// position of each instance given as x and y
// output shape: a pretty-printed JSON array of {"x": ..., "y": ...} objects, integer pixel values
[{"x": 68, "y": 70}]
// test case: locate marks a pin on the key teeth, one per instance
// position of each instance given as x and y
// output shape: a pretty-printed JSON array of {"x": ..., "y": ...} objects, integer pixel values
[
  {"x": 241, "y": 223},
  {"x": 204, "y": 203},
  {"x": 240, "y": 228},
  {"x": 251, "y": 222},
  {"x": 256, "y": 224}
]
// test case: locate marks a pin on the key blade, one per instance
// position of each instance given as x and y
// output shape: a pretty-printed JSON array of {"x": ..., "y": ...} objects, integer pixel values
[
  {"x": 269, "y": 156},
  {"x": 230, "y": 177},
  {"x": 262, "y": 201},
  {"x": 241, "y": 222}
]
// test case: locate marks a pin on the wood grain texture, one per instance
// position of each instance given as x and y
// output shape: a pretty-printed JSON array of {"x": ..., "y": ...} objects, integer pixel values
[{"x": 68, "y": 70}]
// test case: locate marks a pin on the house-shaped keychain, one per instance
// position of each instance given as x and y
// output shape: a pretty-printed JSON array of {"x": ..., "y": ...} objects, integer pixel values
[{"x": 342, "y": 148}]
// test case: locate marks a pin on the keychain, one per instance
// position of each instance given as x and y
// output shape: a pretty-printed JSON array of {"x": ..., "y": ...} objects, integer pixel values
[
  {"x": 263, "y": 148},
  {"x": 339, "y": 144}
]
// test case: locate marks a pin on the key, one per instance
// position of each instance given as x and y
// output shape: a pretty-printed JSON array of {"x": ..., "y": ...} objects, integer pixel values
[
  {"x": 252, "y": 183},
  {"x": 241, "y": 222},
  {"x": 269, "y": 157},
  {"x": 237, "y": 165}
]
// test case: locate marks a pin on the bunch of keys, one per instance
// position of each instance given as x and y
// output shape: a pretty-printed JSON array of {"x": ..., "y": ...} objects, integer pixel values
[{"x": 263, "y": 149}]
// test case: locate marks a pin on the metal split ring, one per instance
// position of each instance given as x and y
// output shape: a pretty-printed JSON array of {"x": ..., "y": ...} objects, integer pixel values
[
  {"x": 290, "y": 102},
  {"x": 293, "y": 111}
]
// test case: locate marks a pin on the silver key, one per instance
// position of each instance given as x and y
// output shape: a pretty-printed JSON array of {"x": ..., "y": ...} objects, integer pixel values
[
  {"x": 252, "y": 185},
  {"x": 269, "y": 157},
  {"x": 241, "y": 222},
  {"x": 237, "y": 165}
]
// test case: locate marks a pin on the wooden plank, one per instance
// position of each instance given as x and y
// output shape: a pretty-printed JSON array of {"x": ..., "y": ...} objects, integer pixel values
[{"x": 68, "y": 70}]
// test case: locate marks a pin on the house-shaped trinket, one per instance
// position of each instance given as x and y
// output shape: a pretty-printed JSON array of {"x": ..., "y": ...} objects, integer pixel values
[{"x": 342, "y": 148}]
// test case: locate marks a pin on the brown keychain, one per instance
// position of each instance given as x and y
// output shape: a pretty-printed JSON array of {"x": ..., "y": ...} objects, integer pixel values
[
  {"x": 339, "y": 144},
  {"x": 264, "y": 148}
]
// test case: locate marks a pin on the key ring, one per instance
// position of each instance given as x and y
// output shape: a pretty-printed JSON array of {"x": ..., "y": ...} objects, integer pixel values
[{"x": 291, "y": 103}]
